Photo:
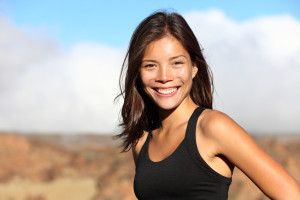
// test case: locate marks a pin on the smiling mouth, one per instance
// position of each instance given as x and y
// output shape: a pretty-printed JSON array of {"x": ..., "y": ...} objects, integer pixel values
[{"x": 166, "y": 90}]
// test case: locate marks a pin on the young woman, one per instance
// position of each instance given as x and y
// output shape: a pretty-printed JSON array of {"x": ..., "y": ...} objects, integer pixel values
[{"x": 182, "y": 148}]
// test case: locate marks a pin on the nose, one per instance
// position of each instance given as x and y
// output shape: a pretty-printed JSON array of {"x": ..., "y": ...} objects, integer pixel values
[{"x": 164, "y": 74}]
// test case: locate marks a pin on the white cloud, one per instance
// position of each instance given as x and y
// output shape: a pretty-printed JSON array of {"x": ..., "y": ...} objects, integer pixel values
[
  {"x": 256, "y": 67},
  {"x": 255, "y": 64},
  {"x": 44, "y": 88}
]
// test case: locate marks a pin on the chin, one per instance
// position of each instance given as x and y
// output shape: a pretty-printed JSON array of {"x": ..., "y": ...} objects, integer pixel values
[{"x": 167, "y": 106}]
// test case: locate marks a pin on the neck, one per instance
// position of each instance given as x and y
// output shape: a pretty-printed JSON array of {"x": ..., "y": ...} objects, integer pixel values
[{"x": 170, "y": 118}]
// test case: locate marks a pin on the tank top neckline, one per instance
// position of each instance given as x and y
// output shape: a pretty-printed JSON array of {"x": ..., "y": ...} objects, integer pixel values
[{"x": 171, "y": 156}]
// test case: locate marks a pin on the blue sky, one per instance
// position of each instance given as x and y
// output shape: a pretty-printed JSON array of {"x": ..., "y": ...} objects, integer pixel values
[
  {"x": 112, "y": 22},
  {"x": 60, "y": 61}
]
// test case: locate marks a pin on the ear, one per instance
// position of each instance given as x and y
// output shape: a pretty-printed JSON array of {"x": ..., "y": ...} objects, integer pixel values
[{"x": 194, "y": 70}]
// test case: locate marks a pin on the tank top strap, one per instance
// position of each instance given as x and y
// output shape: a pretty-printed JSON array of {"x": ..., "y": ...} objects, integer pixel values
[
  {"x": 148, "y": 137},
  {"x": 193, "y": 149},
  {"x": 144, "y": 150},
  {"x": 146, "y": 144},
  {"x": 192, "y": 123}
]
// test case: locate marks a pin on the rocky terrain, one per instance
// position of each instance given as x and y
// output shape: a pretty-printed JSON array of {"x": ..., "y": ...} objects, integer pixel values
[{"x": 91, "y": 167}]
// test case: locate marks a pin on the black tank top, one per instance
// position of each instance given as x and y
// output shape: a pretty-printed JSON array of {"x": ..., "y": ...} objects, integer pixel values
[{"x": 182, "y": 175}]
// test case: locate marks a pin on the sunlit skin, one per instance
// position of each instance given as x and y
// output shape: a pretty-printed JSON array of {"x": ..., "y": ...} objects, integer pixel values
[{"x": 167, "y": 74}]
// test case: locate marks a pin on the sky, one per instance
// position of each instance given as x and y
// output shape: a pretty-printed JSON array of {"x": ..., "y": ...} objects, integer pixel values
[{"x": 60, "y": 61}]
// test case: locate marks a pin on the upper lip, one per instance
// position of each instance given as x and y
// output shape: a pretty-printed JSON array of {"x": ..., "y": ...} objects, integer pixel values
[{"x": 166, "y": 87}]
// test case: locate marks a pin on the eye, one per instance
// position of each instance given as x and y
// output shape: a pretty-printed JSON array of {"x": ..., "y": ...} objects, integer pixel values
[
  {"x": 178, "y": 63},
  {"x": 149, "y": 66}
]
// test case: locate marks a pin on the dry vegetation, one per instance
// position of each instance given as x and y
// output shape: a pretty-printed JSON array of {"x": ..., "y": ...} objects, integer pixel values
[{"x": 91, "y": 167}]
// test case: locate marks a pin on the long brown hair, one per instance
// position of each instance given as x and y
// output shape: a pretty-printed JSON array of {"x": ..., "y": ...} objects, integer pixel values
[{"x": 139, "y": 113}]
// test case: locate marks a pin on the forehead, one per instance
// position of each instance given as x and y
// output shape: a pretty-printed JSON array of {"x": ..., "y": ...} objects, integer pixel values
[{"x": 167, "y": 46}]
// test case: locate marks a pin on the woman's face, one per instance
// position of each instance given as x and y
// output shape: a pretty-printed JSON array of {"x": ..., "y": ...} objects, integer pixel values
[{"x": 167, "y": 72}]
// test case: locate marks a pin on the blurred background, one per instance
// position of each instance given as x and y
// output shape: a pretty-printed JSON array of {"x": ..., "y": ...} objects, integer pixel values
[{"x": 59, "y": 68}]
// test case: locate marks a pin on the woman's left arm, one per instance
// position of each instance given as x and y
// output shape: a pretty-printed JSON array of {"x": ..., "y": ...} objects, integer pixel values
[{"x": 241, "y": 150}]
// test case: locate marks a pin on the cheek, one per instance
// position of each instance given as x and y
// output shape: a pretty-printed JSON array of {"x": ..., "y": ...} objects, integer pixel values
[
  {"x": 184, "y": 74},
  {"x": 144, "y": 78}
]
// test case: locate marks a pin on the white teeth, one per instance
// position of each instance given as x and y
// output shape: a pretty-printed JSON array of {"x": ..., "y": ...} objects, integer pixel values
[{"x": 166, "y": 91}]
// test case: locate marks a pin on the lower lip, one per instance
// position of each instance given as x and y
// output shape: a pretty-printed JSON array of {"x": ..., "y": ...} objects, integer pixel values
[{"x": 166, "y": 95}]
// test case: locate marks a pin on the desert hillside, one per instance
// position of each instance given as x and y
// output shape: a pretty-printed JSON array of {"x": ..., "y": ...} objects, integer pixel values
[{"x": 91, "y": 167}]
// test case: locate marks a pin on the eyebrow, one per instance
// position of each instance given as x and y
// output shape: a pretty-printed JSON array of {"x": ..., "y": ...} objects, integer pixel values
[{"x": 172, "y": 58}]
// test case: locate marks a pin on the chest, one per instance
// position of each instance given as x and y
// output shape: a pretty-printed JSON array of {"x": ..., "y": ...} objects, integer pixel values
[
  {"x": 161, "y": 148},
  {"x": 174, "y": 176}
]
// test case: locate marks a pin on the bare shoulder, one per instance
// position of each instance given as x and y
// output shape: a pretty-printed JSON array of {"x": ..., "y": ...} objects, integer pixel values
[
  {"x": 137, "y": 148},
  {"x": 222, "y": 131},
  {"x": 216, "y": 124},
  {"x": 213, "y": 116}
]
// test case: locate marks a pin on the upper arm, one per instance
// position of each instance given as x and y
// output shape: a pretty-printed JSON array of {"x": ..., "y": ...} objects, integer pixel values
[{"x": 240, "y": 149}]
